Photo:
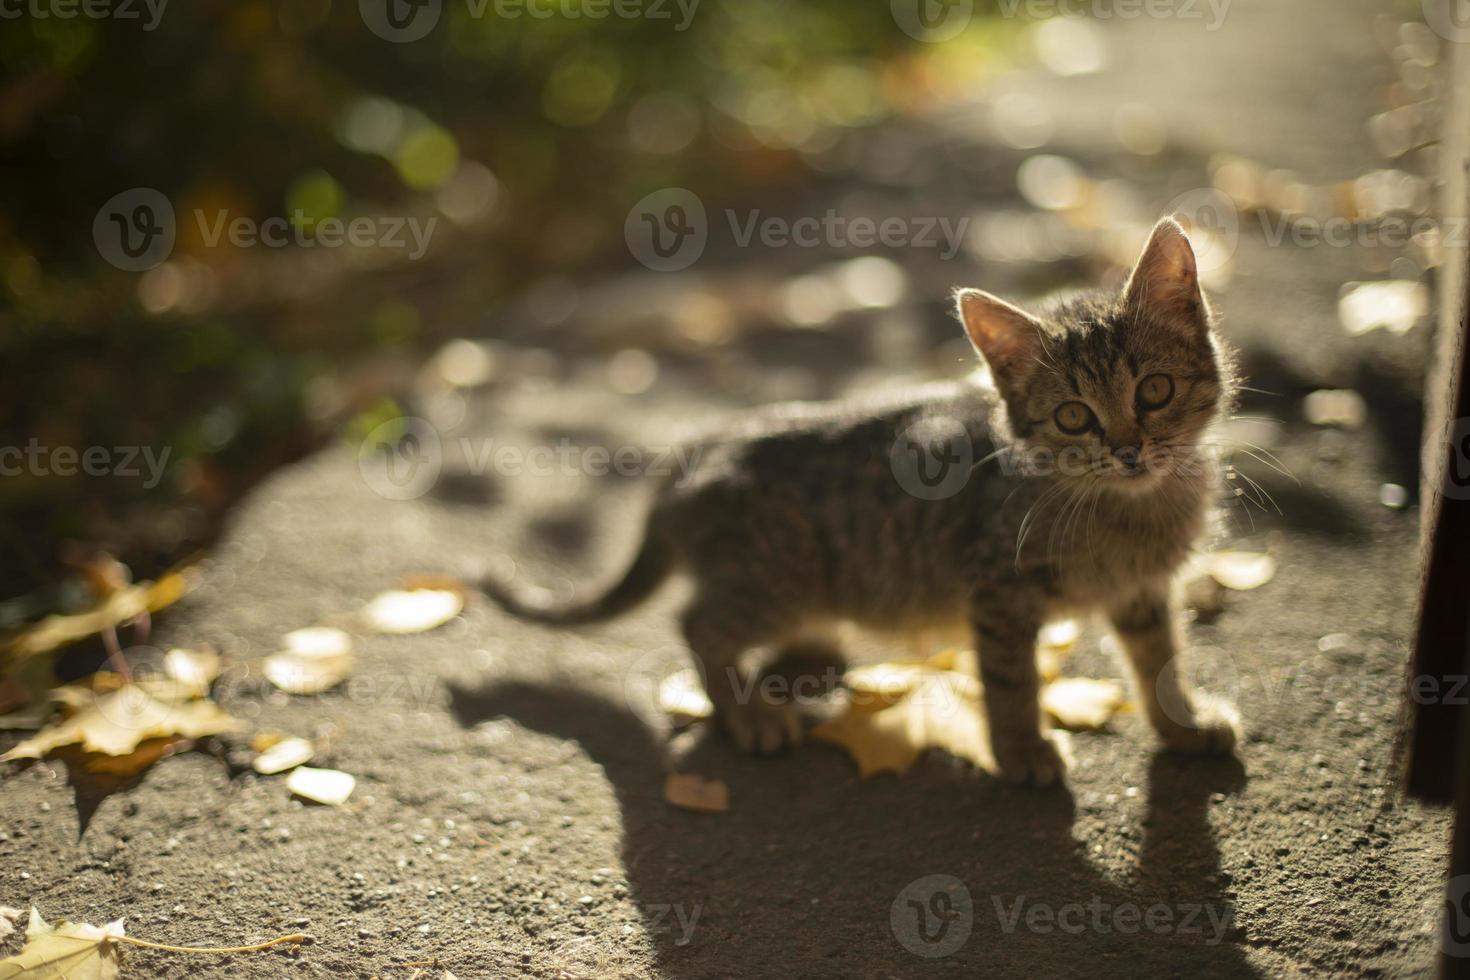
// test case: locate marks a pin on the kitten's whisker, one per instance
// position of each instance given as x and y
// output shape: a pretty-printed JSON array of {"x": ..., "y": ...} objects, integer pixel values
[
  {"x": 1028, "y": 522},
  {"x": 1091, "y": 519},
  {"x": 1262, "y": 456},
  {"x": 1236, "y": 498},
  {"x": 1263, "y": 492},
  {"x": 999, "y": 452},
  {"x": 1064, "y": 519},
  {"x": 1267, "y": 458}
]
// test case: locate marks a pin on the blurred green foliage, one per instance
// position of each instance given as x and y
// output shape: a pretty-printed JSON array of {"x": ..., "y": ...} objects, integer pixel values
[{"x": 527, "y": 137}]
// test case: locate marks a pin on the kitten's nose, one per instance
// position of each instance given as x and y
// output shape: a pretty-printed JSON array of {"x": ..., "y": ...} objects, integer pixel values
[{"x": 1130, "y": 458}]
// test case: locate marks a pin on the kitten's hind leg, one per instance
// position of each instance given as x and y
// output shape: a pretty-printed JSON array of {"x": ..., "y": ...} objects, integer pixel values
[
  {"x": 719, "y": 630},
  {"x": 1149, "y": 631}
]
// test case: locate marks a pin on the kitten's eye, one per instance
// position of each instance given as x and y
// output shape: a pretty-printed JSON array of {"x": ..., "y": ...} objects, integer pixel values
[
  {"x": 1155, "y": 391},
  {"x": 1075, "y": 418}
]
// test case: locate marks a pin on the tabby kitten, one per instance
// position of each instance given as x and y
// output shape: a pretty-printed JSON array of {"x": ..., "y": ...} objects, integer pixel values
[{"x": 1082, "y": 485}]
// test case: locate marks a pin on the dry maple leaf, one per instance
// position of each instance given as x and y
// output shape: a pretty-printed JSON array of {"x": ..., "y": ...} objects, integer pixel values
[
  {"x": 8, "y": 918},
  {"x": 315, "y": 659},
  {"x": 898, "y": 711},
  {"x": 688, "y": 791},
  {"x": 1081, "y": 704},
  {"x": 411, "y": 610},
  {"x": 115, "y": 723},
  {"x": 682, "y": 697},
  {"x": 1242, "y": 571},
  {"x": 149, "y": 751},
  {"x": 65, "y": 951},
  {"x": 26, "y": 695},
  {"x": 286, "y": 753},
  {"x": 115, "y": 609},
  {"x": 329, "y": 787},
  {"x": 193, "y": 667}
]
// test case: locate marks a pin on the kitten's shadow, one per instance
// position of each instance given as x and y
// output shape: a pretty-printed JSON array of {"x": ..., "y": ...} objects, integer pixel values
[{"x": 814, "y": 873}]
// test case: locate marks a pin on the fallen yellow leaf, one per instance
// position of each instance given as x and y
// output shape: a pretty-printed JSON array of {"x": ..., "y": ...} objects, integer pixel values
[
  {"x": 1081, "y": 703},
  {"x": 65, "y": 951},
  {"x": 288, "y": 753},
  {"x": 315, "y": 659},
  {"x": 1060, "y": 635},
  {"x": 146, "y": 754},
  {"x": 8, "y": 918},
  {"x": 898, "y": 711},
  {"x": 116, "y": 722},
  {"x": 27, "y": 699},
  {"x": 690, "y": 792},
  {"x": 887, "y": 731},
  {"x": 119, "y": 607},
  {"x": 682, "y": 696},
  {"x": 411, "y": 610},
  {"x": 196, "y": 668},
  {"x": 326, "y": 786},
  {"x": 1242, "y": 570}
]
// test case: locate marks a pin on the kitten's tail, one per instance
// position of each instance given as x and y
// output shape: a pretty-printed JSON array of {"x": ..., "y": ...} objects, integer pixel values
[{"x": 650, "y": 568}]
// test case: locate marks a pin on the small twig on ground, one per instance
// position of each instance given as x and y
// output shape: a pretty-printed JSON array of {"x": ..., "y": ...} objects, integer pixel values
[{"x": 295, "y": 937}]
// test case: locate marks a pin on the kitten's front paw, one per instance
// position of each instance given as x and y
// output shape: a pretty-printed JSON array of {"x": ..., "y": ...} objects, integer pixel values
[
  {"x": 761, "y": 728},
  {"x": 1216, "y": 729},
  {"x": 1033, "y": 759}
]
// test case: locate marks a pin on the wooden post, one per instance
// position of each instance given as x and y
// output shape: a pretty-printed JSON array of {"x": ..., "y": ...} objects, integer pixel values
[{"x": 1438, "y": 731}]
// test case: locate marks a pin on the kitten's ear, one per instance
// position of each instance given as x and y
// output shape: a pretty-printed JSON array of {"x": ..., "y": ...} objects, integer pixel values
[
  {"x": 1007, "y": 337},
  {"x": 1165, "y": 282}
]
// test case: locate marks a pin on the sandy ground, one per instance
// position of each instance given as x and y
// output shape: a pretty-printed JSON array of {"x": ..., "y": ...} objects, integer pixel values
[{"x": 509, "y": 819}]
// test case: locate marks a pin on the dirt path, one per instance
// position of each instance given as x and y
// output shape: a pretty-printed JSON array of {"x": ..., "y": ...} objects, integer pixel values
[{"x": 508, "y": 818}]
